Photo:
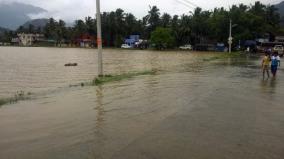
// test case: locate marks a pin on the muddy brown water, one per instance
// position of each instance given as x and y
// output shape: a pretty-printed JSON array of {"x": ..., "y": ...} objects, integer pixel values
[{"x": 197, "y": 109}]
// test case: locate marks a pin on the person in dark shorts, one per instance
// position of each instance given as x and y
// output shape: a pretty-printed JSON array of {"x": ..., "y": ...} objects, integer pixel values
[{"x": 275, "y": 62}]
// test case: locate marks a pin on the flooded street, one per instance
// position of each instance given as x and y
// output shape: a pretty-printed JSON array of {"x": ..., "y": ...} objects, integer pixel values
[
  {"x": 42, "y": 69},
  {"x": 193, "y": 108}
]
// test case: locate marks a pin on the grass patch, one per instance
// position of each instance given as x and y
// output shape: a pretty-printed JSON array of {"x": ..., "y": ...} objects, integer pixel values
[
  {"x": 19, "y": 96},
  {"x": 3, "y": 101},
  {"x": 111, "y": 78}
]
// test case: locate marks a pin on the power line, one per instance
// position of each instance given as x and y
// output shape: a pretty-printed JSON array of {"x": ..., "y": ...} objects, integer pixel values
[
  {"x": 185, "y": 4},
  {"x": 275, "y": 2},
  {"x": 189, "y": 2}
]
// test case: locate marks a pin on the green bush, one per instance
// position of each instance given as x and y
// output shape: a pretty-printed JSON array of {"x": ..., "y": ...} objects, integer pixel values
[{"x": 162, "y": 38}]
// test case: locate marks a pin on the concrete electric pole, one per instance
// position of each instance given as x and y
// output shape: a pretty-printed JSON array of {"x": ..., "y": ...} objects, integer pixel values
[
  {"x": 99, "y": 40},
  {"x": 230, "y": 40}
]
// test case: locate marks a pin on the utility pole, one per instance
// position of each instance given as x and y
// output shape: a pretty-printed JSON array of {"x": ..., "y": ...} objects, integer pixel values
[
  {"x": 99, "y": 40},
  {"x": 230, "y": 40}
]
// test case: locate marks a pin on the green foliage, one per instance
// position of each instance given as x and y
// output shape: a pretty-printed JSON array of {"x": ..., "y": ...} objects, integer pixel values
[
  {"x": 162, "y": 38},
  {"x": 19, "y": 96},
  {"x": 3, "y": 101},
  {"x": 201, "y": 26},
  {"x": 112, "y": 78},
  {"x": 7, "y": 36}
]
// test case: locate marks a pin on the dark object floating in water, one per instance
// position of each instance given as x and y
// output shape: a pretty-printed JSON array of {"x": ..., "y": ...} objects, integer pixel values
[{"x": 71, "y": 64}]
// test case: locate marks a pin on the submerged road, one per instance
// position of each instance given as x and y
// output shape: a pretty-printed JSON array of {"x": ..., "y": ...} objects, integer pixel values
[{"x": 220, "y": 109}]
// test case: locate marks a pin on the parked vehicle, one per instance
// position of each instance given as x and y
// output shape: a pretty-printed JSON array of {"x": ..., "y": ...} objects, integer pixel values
[
  {"x": 186, "y": 47},
  {"x": 125, "y": 46},
  {"x": 279, "y": 49}
]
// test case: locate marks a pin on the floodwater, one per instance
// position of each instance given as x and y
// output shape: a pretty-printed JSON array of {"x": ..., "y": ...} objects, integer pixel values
[
  {"x": 192, "y": 108},
  {"x": 42, "y": 69}
]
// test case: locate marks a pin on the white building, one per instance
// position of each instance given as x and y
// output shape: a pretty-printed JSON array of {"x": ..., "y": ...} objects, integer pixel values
[
  {"x": 29, "y": 39},
  {"x": 279, "y": 39}
]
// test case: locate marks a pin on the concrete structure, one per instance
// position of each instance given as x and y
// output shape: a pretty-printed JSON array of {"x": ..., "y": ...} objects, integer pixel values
[
  {"x": 132, "y": 40},
  {"x": 262, "y": 40},
  {"x": 15, "y": 40},
  {"x": 29, "y": 39},
  {"x": 86, "y": 41},
  {"x": 279, "y": 39}
]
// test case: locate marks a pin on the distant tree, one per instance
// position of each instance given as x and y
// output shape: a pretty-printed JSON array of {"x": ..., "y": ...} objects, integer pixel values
[
  {"x": 50, "y": 29},
  {"x": 258, "y": 9},
  {"x": 162, "y": 38},
  {"x": 61, "y": 32},
  {"x": 131, "y": 24},
  {"x": 184, "y": 30},
  {"x": 31, "y": 29},
  {"x": 272, "y": 16},
  {"x": 39, "y": 30},
  {"x": 166, "y": 20},
  {"x": 120, "y": 31},
  {"x": 80, "y": 28},
  {"x": 108, "y": 28},
  {"x": 175, "y": 24},
  {"x": 90, "y": 25},
  {"x": 152, "y": 19},
  {"x": 201, "y": 26},
  {"x": 21, "y": 29},
  {"x": 7, "y": 37}
]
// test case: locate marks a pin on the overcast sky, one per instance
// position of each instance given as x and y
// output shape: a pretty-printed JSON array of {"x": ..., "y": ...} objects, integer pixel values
[{"x": 73, "y": 9}]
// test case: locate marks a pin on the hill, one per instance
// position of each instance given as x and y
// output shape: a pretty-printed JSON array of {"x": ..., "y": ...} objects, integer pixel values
[
  {"x": 280, "y": 8},
  {"x": 12, "y": 15},
  {"x": 36, "y": 23}
]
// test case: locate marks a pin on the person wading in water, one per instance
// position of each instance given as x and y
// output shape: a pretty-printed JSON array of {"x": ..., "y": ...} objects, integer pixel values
[
  {"x": 275, "y": 62},
  {"x": 265, "y": 65}
]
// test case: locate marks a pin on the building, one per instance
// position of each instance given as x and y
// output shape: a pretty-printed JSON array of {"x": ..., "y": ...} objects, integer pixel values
[
  {"x": 29, "y": 39},
  {"x": 264, "y": 46},
  {"x": 279, "y": 39},
  {"x": 15, "y": 40},
  {"x": 132, "y": 40},
  {"x": 86, "y": 40}
]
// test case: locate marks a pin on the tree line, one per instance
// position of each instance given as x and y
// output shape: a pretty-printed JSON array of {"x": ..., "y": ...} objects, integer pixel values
[{"x": 200, "y": 26}]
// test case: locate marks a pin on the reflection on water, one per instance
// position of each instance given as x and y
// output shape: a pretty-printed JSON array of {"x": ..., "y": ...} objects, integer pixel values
[
  {"x": 264, "y": 84},
  {"x": 269, "y": 85},
  {"x": 273, "y": 83},
  {"x": 99, "y": 107},
  {"x": 192, "y": 109}
]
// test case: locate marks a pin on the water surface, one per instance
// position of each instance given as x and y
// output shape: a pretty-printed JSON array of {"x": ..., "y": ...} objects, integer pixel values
[{"x": 191, "y": 109}]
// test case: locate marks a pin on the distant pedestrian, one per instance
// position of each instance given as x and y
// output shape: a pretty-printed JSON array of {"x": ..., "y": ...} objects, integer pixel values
[
  {"x": 269, "y": 50},
  {"x": 278, "y": 59},
  {"x": 265, "y": 65},
  {"x": 275, "y": 62},
  {"x": 248, "y": 49}
]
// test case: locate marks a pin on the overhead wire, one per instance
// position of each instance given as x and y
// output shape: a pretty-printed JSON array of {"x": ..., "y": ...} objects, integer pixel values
[
  {"x": 189, "y": 2},
  {"x": 185, "y": 4}
]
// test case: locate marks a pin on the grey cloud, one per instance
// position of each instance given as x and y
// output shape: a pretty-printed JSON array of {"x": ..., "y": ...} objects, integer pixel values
[{"x": 73, "y": 9}]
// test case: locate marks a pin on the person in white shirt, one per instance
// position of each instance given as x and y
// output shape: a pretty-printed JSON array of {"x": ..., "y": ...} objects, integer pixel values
[{"x": 275, "y": 63}]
